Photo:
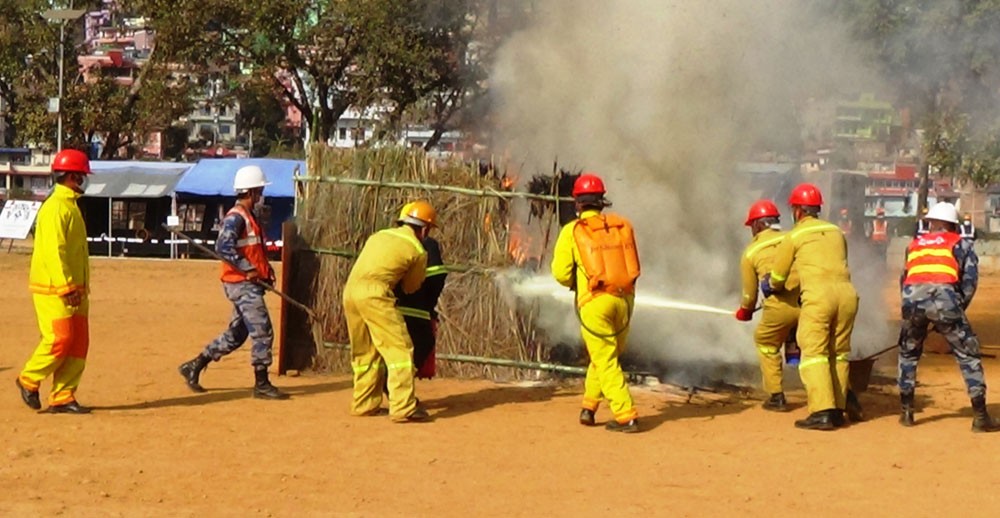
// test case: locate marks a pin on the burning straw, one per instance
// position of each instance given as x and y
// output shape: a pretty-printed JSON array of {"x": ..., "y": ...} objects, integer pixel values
[{"x": 349, "y": 194}]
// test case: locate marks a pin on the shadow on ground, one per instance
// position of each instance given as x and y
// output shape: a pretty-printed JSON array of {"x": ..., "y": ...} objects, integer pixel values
[
  {"x": 226, "y": 394},
  {"x": 460, "y": 404}
]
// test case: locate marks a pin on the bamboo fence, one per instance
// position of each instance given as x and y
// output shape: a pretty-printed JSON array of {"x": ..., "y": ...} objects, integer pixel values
[{"x": 485, "y": 227}]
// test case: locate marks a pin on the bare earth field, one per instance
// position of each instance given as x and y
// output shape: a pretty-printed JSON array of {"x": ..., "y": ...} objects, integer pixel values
[{"x": 152, "y": 448}]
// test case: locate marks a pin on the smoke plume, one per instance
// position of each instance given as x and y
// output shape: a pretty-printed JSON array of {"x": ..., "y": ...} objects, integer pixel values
[{"x": 663, "y": 98}]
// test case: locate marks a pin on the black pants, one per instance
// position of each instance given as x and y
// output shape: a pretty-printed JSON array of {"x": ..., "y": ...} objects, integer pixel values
[{"x": 422, "y": 335}]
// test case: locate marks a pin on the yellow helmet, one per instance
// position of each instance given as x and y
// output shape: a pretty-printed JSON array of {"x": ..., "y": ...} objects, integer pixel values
[{"x": 418, "y": 213}]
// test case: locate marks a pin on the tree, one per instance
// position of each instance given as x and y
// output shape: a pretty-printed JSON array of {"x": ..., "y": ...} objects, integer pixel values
[
  {"x": 322, "y": 55},
  {"x": 24, "y": 34},
  {"x": 261, "y": 113},
  {"x": 944, "y": 60}
]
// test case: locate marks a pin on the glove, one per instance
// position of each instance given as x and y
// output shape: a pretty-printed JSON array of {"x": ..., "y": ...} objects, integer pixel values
[
  {"x": 765, "y": 286},
  {"x": 744, "y": 314}
]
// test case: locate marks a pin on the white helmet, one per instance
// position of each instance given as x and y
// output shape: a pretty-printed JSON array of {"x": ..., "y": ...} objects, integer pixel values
[
  {"x": 249, "y": 177},
  {"x": 943, "y": 211}
]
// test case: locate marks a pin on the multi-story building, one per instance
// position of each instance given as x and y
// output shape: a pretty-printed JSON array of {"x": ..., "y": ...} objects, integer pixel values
[{"x": 24, "y": 173}]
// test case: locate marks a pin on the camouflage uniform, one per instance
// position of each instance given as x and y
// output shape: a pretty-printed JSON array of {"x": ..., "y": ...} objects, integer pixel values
[
  {"x": 943, "y": 306},
  {"x": 250, "y": 319}
]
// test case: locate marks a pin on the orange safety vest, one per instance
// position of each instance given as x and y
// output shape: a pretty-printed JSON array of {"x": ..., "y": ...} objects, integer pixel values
[
  {"x": 608, "y": 254},
  {"x": 930, "y": 259},
  {"x": 880, "y": 230},
  {"x": 251, "y": 246}
]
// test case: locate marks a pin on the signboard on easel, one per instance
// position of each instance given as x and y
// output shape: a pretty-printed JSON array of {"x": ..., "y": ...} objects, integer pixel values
[{"x": 17, "y": 218}]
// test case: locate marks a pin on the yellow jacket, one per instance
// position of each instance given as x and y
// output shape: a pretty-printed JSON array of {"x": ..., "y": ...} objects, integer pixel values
[
  {"x": 819, "y": 251},
  {"x": 756, "y": 261},
  {"x": 60, "y": 262},
  {"x": 389, "y": 258}
]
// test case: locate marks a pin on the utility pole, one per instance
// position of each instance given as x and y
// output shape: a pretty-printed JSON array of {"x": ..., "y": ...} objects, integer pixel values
[{"x": 63, "y": 16}]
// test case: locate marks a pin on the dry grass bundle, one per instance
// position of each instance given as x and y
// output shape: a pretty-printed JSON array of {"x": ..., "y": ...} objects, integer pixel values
[{"x": 350, "y": 194}]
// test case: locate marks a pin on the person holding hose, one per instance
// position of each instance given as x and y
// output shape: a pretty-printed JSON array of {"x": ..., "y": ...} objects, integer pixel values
[
  {"x": 595, "y": 255},
  {"x": 241, "y": 245},
  {"x": 818, "y": 252},
  {"x": 390, "y": 258},
  {"x": 937, "y": 285},
  {"x": 780, "y": 311},
  {"x": 60, "y": 286}
]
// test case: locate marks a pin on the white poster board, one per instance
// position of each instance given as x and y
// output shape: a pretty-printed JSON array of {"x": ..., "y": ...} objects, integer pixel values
[{"x": 17, "y": 218}]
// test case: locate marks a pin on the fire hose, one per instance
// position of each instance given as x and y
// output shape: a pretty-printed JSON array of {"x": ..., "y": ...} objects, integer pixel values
[{"x": 267, "y": 286}]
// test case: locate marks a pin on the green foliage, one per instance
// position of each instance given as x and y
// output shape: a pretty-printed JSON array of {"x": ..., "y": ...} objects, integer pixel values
[{"x": 943, "y": 59}]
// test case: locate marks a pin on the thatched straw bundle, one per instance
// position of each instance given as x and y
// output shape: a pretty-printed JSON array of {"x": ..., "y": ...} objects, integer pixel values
[{"x": 350, "y": 194}]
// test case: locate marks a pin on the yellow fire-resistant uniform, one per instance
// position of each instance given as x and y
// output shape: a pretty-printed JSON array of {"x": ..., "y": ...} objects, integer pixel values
[
  {"x": 59, "y": 265},
  {"x": 780, "y": 311},
  {"x": 605, "y": 314},
  {"x": 818, "y": 251},
  {"x": 377, "y": 331}
]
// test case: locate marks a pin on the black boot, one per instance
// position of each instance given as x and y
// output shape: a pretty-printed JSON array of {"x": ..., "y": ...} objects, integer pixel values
[
  {"x": 981, "y": 420},
  {"x": 906, "y": 409},
  {"x": 263, "y": 389},
  {"x": 776, "y": 403},
  {"x": 854, "y": 411},
  {"x": 632, "y": 426},
  {"x": 587, "y": 417},
  {"x": 30, "y": 397},
  {"x": 192, "y": 370},
  {"x": 822, "y": 420}
]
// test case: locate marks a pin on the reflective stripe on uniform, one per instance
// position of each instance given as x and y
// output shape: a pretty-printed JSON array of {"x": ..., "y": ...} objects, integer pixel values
[
  {"x": 842, "y": 358},
  {"x": 436, "y": 270},
  {"x": 413, "y": 240},
  {"x": 928, "y": 251},
  {"x": 414, "y": 312},
  {"x": 777, "y": 277},
  {"x": 755, "y": 248},
  {"x": 825, "y": 227},
  {"x": 806, "y": 362},
  {"x": 247, "y": 241},
  {"x": 933, "y": 268},
  {"x": 767, "y": 350},
  {"x": 361, "y": 368},
  {"x": 399, "y": 365}
]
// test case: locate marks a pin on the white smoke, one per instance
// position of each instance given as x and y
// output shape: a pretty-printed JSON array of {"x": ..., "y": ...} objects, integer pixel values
[{"x": 663, "y": 98}]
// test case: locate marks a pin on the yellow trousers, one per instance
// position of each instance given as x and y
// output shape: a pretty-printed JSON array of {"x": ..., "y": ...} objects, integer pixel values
[
  {"x": 826, "y": 321},
  {"x": 62, "y": 352},
  {"x": 379, "y": 337},
  {"x": 606, "y": 315},
  {"x": 778, "y": 320}
]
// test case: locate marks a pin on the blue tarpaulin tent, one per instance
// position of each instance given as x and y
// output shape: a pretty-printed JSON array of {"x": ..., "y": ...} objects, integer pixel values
[
  {"x": 214, "y": 176},
  {"x": 210, "y": 182}
]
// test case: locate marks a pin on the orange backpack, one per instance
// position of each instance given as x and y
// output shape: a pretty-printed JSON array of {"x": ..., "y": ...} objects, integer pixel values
[{"x": 607, "y": 250}]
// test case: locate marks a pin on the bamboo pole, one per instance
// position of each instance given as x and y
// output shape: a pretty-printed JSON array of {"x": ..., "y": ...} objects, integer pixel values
[
  {"x": 450, "y": 268},
  {"x": 431, "y": 187}
]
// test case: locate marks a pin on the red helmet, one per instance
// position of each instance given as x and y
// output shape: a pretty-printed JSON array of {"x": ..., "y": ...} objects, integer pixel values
[
  {"x": 805, "y": 194},
  {"x": 71, "y": 161},
  {"x": 761, "y": 209},
  {"x": 588, "y": 183}
]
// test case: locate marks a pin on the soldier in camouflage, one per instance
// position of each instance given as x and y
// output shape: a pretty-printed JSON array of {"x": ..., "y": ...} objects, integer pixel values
[
  {"x": 245, "y": 270},
  {"x": 938, "y": 284}
]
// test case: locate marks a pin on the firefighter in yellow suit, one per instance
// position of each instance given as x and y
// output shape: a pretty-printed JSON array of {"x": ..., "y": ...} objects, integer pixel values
[
  {"x": 818, "y": 251},
  {"x": 780, "y": 311},
  {"x": 59, "y": 283},
  {"x": 604, "y": 296},
  {"x": 390, "y": 258}
]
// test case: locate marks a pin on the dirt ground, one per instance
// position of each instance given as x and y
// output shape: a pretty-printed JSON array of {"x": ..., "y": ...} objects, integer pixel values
[{"x": 152, "y": 448}]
